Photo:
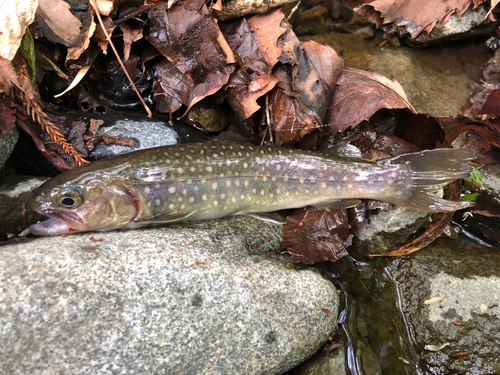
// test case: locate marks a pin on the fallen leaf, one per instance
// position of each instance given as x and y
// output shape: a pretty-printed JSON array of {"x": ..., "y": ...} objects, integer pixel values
[
  {"x": 15, "y": 16},
  {"x": 359, "y": 94},
  {"x": 57, "y": 22},
  {"x": 92, "y": 140},
  {"x": 130, "y": 35},
  {"x": 312, "y": 235},
  {"x": 415, "y": 15},
  {"x": 252, "y": 79},
  {"x": 458, "y": 354},
  {"x": 94, "y": 125},
  {"x": 457, "y": 323},
  {"x": 328, "y": 312},
  {"x": 375, "y": 145},
  {"x": 433, "y": 300},
  {"x": 7, "y": 115},
  {"x": 435, "y": 348},
  {"x": 190, "y": 39}
]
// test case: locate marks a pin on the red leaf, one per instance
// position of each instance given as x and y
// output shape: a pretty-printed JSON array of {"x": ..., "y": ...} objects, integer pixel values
[{"x": 320, "y": 236}]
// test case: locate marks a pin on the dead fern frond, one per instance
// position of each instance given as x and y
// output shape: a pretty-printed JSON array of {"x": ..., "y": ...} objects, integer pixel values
[{"x": 34, "y": 109}]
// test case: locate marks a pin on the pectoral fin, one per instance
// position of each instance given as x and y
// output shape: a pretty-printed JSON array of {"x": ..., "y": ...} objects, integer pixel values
[
  {"x": 171, "y": 216},
  {"x": 338, "y": 204}
]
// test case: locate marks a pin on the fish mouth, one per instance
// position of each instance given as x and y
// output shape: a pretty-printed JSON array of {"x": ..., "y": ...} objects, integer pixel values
[{"x": 57, "y": 224}]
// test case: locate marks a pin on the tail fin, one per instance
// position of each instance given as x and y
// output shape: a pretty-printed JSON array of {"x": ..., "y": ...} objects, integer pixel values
[{"x": 429, "y": 171}]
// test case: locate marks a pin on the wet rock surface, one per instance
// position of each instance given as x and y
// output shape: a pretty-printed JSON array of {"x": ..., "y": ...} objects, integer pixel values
[
  {"x": 386, "y": 229},
  {"x": 187, "y": 299},
  {"x": 7, "y": 143},
  {"x": 466, "y": 278},
  {"x": 16, "y": 212},
  {"x": 146, "y": 133}
]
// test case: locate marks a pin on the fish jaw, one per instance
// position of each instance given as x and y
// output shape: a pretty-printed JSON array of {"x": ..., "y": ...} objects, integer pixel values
[{"x": 50, "y": 227}]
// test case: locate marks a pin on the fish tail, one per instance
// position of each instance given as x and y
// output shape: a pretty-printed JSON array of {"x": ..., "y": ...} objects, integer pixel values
[{"x": 429, "y": 171}]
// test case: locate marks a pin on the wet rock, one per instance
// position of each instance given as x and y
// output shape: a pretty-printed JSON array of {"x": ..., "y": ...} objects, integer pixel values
[
  {"x": 7, "y": 143},
  {"x": 314, "y": 21},
  {"x": 210, "y": 117},
  {"x": 491, "y": 179},
  {"x": 323, "y": 363},
  {"x": 188, "y": 299},
  {"x": 16, "y": 211},
  {"x": 146, "y": 133},
  {"x": 466, "y": 315},
  {"x": 386, "y": 229},
  {"x": 473, "y": 23}
]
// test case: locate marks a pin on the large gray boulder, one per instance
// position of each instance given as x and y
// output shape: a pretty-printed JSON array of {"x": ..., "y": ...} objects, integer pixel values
[{"x": 201, "y": 298}]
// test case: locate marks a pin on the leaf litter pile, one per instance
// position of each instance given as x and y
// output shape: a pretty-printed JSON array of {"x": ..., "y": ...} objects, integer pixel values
[{"x": 175, "y": 57}]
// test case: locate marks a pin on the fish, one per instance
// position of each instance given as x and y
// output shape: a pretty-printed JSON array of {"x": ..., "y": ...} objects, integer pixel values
[{"x": 215, "y": 179}]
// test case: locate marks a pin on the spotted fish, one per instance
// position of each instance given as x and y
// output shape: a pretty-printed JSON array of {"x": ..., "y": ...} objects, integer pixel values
[{"x": 198, "y": 181}]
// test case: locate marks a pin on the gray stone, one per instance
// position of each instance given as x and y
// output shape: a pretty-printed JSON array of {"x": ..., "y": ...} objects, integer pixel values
[
  {"x": 491, "y": 179},
  {"x": 188, "y": 299},
  {"x": 7, "y": 143},
  {"x": 386, "y": 229},
  {"x": 323, "y": 363},
  {"x": 145, "y": 132},
  {"x": 16, "y": 212},
  {"x": 464, "y": 279}
]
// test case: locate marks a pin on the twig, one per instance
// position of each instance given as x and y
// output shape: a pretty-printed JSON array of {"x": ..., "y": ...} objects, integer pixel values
[{"x": 93, "y": 4}]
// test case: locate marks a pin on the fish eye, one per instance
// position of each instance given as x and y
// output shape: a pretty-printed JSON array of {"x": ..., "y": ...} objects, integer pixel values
[
  {"x": 70, "y": 197},
  {"x": 67, "y": 201}
]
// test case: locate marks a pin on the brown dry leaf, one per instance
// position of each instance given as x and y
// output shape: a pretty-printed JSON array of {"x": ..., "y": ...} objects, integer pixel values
[
  {"x": 253, "y": 78},
  {"x": 312, "y": 235},
  {"x": 130, "y": 35},
  {"x": 415, "y": 15},
  {"x": 266, "y": 29},
  {"x": 100, "y": 36},
  {"x": 94, "y": 125},
  {"x": 9, "y": 77},
  {"x": 433, "y": 300},
  {"x": 75, "y": 52},
  {"x": 190, "y": 39},
  {"x": 7, "y": 115},
  {"x": 92, "y": 140},
  {"x": 359, "y": 94},
  {"x": 57, "y": 23}
]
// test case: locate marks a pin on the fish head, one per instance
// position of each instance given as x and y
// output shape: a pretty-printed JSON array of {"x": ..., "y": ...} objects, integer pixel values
[{"x": 82, "y": 204}]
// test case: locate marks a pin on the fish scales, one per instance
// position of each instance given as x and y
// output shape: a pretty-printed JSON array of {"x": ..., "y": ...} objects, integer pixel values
[{"x": 198, "y": 181}]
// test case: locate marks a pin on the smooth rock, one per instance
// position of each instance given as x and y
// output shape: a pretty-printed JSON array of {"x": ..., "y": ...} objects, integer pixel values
[
  {"x": 386, "y": 229},
  {"x": 146, "y": 133},
  {"x": 323, "y": 363},
  {"x": 188, "y": 299},
  {"x": 491, "y": 179},
  {"x": 16, "y": 212},
  {"x": 7, "y": 143},
  {"x": 449, "y": 293}
]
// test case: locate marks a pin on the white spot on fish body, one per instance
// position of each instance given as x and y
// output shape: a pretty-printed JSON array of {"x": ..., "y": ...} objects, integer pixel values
[
  {"x": 216, "y": 203},
  {"x": 147, "y": 190},
  {"x": 165, "y": 153},
  {"x": 323, "y": 185},
  {"x": 171, "y": 206},
  {"x": 246, "y": 183},
  {"x": 349, "y": 186},
  {"x": 202, "y": 152},
  {"x": 209, "y": 169},
  {"x": 233, "y": 199},
  {"x": 264, "y": 178},
  {"x": 254, "y": 190},
  {"x": 177, "y": 154},
  {"x": 240, "y": 154},
  {"x": 184, "y": 192},
  {"x": 204, "y": 197},
  {"x": 183, "y": 206},
  {"x": 158, "y": 202},
  {"x": 171, "y": 189},
  {"x": 301, "y": 180},
  {"x": 223, "y": 196},
  {"x": 192, "y": 169},
  {"x": 228, "y": 183},
  {"x": 214, "y": 185},
  {"x": 191, "y": 199},
  {"x": 262, "y": 192},
  {"x": 180, "y": 170},
  {"x": 245, "y": 165}
]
